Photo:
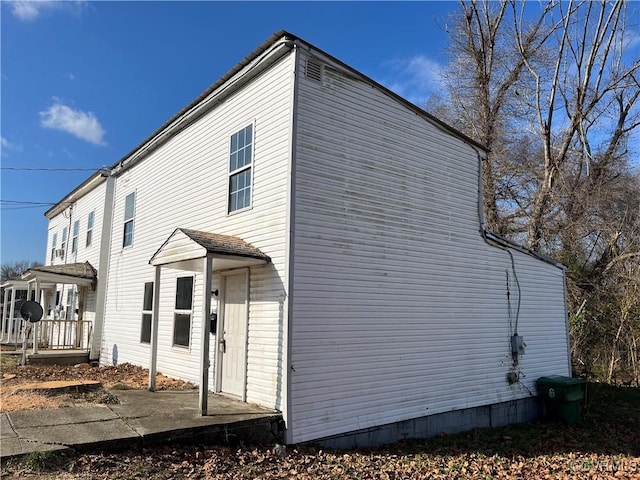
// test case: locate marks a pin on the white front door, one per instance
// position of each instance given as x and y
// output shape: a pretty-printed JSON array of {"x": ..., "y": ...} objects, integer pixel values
[{"x": 234, "y": 333}]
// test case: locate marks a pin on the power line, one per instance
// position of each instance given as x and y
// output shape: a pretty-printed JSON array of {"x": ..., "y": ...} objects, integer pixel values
[
  {"x": 44, "y": 169},
  {"x": 21, "y": 202}
]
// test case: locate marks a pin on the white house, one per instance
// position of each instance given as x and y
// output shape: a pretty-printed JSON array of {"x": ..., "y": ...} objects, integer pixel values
[{"x": 302, "y": 238}]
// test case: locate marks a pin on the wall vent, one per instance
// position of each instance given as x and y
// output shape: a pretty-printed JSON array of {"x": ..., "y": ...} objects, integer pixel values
[{"x": 314, "y": 70}]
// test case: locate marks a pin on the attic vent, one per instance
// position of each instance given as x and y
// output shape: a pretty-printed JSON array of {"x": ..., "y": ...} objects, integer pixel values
[{"x": 314, "y": 70}]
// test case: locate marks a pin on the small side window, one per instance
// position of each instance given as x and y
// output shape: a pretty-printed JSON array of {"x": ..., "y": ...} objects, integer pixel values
[
  {"x": 182, "y": 312},
  {"x": 147, "y": 309}
]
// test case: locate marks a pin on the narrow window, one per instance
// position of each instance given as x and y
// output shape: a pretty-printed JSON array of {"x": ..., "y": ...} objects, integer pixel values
[
  {"x": 89, "y": 229},
  {"x": 71, "y": 304},
  {"x": 147, "y": 308},
  {"x": 241, "y": 161},
  {"x": 182, "y": 313},
  {"x": 129, "y": 210},
  {"x": 63, "y": 245},
  {"x": 74, "y": 239},
  {"x": 54, "y": 244}
]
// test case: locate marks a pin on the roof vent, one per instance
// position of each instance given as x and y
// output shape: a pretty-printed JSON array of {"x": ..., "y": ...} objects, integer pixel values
[{"x": 314, "y": 70}]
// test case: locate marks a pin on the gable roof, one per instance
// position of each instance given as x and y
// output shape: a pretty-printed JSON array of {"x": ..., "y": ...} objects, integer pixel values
[
  {"x": 188, "y": 114},
  {"x": 186, "y": 245},
  {"x": 76, "y": 273}
]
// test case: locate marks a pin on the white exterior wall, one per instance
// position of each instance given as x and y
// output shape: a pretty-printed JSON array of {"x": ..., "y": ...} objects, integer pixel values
[
  {"x": 184, "y": 184},
  {"x": 399, "y": 307},
  {"x": 93, "y": 201}
]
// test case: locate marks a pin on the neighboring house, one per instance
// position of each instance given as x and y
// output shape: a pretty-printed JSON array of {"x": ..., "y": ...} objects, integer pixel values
[{"x": 302, "y": 238}]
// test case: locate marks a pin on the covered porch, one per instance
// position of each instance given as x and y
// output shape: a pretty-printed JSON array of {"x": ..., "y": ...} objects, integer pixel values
[
  {"x": 67, "y": 331},
  {"x": 206, "y": 253}
]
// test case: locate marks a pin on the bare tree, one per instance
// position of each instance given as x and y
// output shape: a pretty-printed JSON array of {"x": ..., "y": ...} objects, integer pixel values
[
  {"x": 554, "y": 94},
  {"x": 583, "y": 105},
  {"x": 11, "y": 270}
]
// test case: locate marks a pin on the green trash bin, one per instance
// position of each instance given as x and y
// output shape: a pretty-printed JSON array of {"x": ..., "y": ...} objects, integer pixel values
[{"x": 562, "y": 397}]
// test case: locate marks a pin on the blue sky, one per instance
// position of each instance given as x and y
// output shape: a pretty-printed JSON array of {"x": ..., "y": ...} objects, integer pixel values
[{"x": 84, "y": 82}]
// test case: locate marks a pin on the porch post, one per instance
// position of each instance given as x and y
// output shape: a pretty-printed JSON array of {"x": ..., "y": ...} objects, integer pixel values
[
  {"x": 154, "y": 330},
  {"x": 36, "y": 326},
  {"x": 82, "y": 293},
  {"x": 12, "y": 315},
  {"x": 205, "y": 330},
  {"x": 5, "y": 304}
]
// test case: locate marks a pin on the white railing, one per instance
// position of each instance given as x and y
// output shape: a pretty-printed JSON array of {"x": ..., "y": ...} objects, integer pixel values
[
  {"x": 12, "y": 330},
  {"x": 65, "y": 334}
]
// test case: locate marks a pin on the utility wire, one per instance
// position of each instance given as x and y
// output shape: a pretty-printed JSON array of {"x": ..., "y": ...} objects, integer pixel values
[
  {"x": 20, "y": 202},
  {"x": 44, "y": 169}
]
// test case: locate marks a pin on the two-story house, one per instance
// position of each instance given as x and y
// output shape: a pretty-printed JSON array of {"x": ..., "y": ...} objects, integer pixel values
[{"x": 302, "y": 238}]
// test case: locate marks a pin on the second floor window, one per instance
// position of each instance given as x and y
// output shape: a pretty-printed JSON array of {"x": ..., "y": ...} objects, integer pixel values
[
  {"x": 54, "y": 244},
  {"x": 129, "y": 212},
  {"x": 89, "y": 229},
  {"x": 63, "y": 245},
  {"x": 240, "y": 163},
  {"x": 74, "y": 239}
]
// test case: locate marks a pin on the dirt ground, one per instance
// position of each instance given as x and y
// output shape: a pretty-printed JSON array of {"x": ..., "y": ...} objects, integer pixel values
[{"x": 23, "y": 388}]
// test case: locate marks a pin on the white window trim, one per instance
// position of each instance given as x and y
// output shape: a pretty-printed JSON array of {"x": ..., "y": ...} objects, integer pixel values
[
  {"x": 89, "y": 238},
  {"x": 65, "y": 239},
  {"x": 133, "y": 219},
  {"x": 75, "y": 237},
  {"x": 146, "y": 312},
  {"x": 250, "y": 166},
  {"x": 54, "y": 242},
  {"x": 183, "y": 312}
]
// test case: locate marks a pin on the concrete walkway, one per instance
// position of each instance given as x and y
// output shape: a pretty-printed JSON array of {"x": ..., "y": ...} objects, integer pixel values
[{"x": 140, "y": 418}]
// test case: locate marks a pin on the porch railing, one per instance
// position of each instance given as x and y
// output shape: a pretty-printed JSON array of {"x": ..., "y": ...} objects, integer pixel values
[{"x": 65, "y": 334}]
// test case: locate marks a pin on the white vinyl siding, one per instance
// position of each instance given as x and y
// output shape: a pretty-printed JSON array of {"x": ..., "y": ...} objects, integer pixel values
[
  {"x": 92, "y": 201},
  {"x": 399, "y": 307},
  {"x": 184, "y": 183}
]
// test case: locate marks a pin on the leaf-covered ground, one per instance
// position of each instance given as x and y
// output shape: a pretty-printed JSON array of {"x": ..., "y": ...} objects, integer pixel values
[
  {"x": 123, "y": 376},
  {"x": 606, "y": 444}
]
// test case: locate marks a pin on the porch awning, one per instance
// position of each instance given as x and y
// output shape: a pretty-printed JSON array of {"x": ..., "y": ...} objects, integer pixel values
[
  {"x": 184, "y": 246},
  {"x": 16, "y": 283},
  {"x": 81, "y": 274}
]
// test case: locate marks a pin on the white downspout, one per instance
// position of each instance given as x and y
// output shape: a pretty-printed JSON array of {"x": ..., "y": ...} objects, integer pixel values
[{"x": 103, "y": 267}]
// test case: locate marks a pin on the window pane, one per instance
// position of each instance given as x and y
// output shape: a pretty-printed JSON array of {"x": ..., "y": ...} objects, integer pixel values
[
  {"x": 145, "y": 332},
  {"x": 148, "y": 296},
  {"x": 184, "y": 293},
  {"x": 234, "y": 161},
  {"x": 129, "y": 206},
  {"x": 90, "y": 221},
  {"x": 76, "y": 227},
  {"x": 128, "y": 234},
  {"x": 181, "y": 329},
  {"x": 89, "y": 237},
  {"x": 74, "y": 245},
  {"x": 248, "y": 135},
  {"x": 64, "y": 235}
]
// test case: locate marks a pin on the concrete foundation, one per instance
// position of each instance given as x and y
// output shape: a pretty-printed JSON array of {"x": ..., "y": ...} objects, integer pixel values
[{"x": 496, "y": 415}]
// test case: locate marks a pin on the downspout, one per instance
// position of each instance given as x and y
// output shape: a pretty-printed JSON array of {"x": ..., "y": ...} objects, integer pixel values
[
  {"x": 290, "y": 250},
  {"x": 103, "y": 265},
  {"x": 517, "y": 343}
]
